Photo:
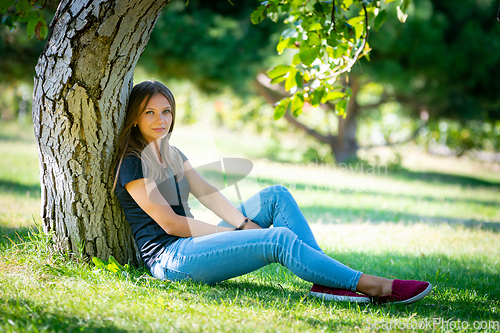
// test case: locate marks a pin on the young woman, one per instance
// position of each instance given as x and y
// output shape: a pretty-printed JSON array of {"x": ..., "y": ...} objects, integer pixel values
[{"x": 153, "y": 182}]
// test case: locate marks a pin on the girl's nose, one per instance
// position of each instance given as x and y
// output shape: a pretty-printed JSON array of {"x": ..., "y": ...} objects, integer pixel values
[{"x": 160, "y": 118}]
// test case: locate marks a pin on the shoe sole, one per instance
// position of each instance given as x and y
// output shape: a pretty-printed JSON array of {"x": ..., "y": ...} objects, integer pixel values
[
  {"x": 417, "y": 297},
  {"x": 339, "y": 298}
]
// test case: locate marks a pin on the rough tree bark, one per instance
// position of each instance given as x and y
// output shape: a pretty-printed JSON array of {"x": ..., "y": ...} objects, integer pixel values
[{"x": 83, "y": 79}]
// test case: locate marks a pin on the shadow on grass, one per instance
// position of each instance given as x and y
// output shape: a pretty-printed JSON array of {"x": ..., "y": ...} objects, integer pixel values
[
  {"x": 25, "y": 315},
  {"x": 442, "y": 178},
  {"x": 462, "y": 288},
  {"x": 10, "y": 235},
  {"x": 7, "y": 186},
  {"x": 376, "y": 216}
]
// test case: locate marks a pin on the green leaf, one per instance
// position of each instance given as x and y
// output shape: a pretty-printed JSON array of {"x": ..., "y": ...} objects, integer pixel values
[
  {"x": 313, "y": 39},
  {"x": 306, "y": 77},
  {"x": 340, "y": 50},
  {"x": 319, "y": 7},
  {"x": 23, "y": 7},
  {"x": 315, "y": 26},
  {"x": 332, "y": 40},
  {"x": 283, "y": 44},
  {"x": 356, "y": 20},
  {"x": 380, "y": 19},
  {"x": 279, "y": 70},
  {"x": 308, "y": 55},
  {"x": 290, "y": 80},
  {"x": 401, "y": 15},
  {"x": 340, "y": 107},
  {"x": 98, "y": 263},
  {"x": 347, "y": 3},
  {"x": 258, "y": 15},
  {"x": 273, "y": 16},
  {"x": 278, "y": 79},
  {"x": 329, "y": 51},
  {"x": 5, "y": 4},
  {"x": 332, "y": 95},
  {"x": 113, "y": 260},
  {"x": 112, "y": 268},
  {"x": 30, "y": 29},
  {"x": 272, "y": 12},
  {"x": 348, "y": 92},
  {"x": 285, "y": 7},
  {"x": 404, "y": 5},
  {"x": 297, "y": 104},
  {"x": 44, "y": 31},
  {"x": 359, "y": 29},
  {"x": 7, "y": 21},
  {"x": 30, "y": 16},
  {"x": 281, "y": 107},
  {"x": 299, "y": 80},
  {"x": 317, "y": 97},
  {"x": 296, "y": 59}
]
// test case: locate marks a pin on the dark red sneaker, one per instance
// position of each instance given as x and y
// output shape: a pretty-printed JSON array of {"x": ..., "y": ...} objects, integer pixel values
[
  {"x": 405, "y": 292},
  {"x": 339, "y": 295}
]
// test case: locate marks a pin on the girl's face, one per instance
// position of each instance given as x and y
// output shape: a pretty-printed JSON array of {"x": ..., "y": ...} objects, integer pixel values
[{"x": 156, "y": 119}]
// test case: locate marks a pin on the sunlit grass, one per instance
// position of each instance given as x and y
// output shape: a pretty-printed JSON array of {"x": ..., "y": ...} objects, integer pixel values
[{"x": 413, "y": 224}]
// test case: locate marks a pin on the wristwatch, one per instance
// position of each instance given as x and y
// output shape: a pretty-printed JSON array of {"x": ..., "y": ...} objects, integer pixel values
[{"x": 243, "y": 224}]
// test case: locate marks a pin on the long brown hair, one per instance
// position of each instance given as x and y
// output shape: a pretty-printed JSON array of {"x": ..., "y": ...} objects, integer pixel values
[{"x": 132, "y": 141}]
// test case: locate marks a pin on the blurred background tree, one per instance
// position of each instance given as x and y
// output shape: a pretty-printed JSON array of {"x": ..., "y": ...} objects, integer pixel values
[
  {"x": 442, "y": 67},
  {"x": 430, "y": 80},
  {"x": 19, "y": 52}
]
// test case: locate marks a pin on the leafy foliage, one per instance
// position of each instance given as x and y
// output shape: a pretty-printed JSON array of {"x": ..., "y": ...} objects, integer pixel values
[
  {"x": 26, "y": 11},
  {"x": 445, "y": 58},
  {"x": 211, "y": 43},
  {"x": 329, "y": 36},
  {"x": 111, "y": 266},
  {"x": 19, "y": 52},
  {"x": 442, "y": 63},
  {"x": 460, "y": 137}
]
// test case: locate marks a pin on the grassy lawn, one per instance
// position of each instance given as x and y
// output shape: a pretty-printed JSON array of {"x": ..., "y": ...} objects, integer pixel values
[{"x": 437, "y": 220}]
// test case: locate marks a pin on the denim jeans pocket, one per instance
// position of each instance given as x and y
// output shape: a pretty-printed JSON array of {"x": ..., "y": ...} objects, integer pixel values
[{"x": 173, "y": 275}]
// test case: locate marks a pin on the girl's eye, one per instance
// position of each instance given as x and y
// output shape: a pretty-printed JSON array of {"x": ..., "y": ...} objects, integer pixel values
[
  {"x": 149, "y": 112},
  {"x": 166, "y": 111}
]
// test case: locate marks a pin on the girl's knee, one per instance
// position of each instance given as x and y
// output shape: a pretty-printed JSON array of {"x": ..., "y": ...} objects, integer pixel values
[
  {"x": 283, "y": 235},
  {"x": 279, "y": 189}
]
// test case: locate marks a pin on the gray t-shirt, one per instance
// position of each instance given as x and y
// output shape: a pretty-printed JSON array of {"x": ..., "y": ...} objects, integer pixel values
[{"x": 149, "y": 236}]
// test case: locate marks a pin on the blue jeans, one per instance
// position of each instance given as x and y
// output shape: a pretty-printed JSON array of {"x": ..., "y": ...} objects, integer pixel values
[{"x": 217, "y": 257}]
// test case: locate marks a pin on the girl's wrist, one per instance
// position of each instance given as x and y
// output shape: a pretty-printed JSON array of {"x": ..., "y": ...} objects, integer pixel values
[{"x": 243, "y": 224}]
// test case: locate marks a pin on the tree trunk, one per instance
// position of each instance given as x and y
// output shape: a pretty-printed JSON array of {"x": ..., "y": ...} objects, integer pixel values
[
  {"x": 344, "y": 145},
  {"x": 83, "y": 79}
]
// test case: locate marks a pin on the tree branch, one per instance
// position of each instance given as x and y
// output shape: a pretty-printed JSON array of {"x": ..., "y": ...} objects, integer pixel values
[
  {"x": 323, "y": 138},
  {"x": 272, "y": 94},
  {"x": 352, "y": 61}
]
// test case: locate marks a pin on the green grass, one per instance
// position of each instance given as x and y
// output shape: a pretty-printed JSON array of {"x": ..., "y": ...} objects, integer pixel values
[{"x": 420, "y": 223}]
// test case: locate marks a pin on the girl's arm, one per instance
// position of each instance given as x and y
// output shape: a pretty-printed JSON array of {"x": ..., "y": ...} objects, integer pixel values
[
  {"x": 159, "y": 210},
  {"x": 211, "y": 198}
]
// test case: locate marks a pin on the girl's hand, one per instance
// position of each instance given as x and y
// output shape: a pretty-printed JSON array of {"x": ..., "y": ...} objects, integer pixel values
[{"x": 251, "y": 225}]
